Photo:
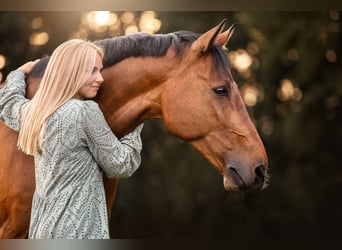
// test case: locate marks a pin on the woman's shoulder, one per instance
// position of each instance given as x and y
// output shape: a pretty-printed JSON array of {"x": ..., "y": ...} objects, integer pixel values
[
  {"x": 75, "y": 111},
  {"x": 84, "y": 107},
  {"x": 78, "y": 107},
  {"x": 80, "y": 104}
]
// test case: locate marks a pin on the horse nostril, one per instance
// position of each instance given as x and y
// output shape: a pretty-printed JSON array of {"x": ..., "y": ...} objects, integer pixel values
[
  {"x": 260, "y": 173},
  {"x": 246, "y": 180},
  {"x": 238, "y": 180}
]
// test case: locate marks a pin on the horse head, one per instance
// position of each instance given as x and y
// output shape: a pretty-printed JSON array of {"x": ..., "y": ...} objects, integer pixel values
[{"x": 203, "y": 106}]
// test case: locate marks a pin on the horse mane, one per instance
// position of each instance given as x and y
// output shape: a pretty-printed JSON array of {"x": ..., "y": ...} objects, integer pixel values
[
  {"x": 38, "y": 70},
  {"x": 141, "y": 44}
]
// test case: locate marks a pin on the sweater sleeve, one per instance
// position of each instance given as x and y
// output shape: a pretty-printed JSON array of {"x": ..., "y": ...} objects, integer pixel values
[
  {"x": 12, "y": 99},
  {"x": 117, "y": 158}
]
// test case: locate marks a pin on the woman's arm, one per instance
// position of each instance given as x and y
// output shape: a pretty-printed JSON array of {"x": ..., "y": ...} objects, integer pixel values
[
  {"x": 118, "y": 158},
  {"x": 12, "y": 96},
  {"x": 12, "y": 99}
]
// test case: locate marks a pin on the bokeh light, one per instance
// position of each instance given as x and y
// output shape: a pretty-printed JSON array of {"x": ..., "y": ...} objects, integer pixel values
[
  {"x": 149, "y": 23},
  {"x": 127, "y": 17},
  {"x": 2, "y": 64},
  {"x": 241, "y": 60},
  {"x": 101, "y": 17},
  {"x": 39, "y": 38},
  {"x": 288, "y": 91},
  {"x": 131, "y": 29},
  {"x": 99, "y": 20},
  {"x": 251, "y": 94},
  {"x": 2, "y": 61},
  {"x": 266, "y": 125},
  {"x": 37, "y": 23},
  {"x": 111, "y": 24},
  {"x": 331, "y": 55}
]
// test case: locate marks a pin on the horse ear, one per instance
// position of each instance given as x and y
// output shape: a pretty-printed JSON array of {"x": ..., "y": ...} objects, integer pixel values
[
  {"x": 224, "y": 37},
  {"x": 208, "y": 39}
]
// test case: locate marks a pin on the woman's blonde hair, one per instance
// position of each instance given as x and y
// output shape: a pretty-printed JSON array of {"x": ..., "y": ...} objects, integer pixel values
[{"x": 70, "y": 65}]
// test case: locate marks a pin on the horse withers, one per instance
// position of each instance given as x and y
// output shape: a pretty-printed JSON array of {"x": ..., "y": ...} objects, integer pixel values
[{"x": 182, "y": 78}]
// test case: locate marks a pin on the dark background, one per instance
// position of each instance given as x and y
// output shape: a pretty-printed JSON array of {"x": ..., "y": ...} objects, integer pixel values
[{"x": 176, "y": 193}]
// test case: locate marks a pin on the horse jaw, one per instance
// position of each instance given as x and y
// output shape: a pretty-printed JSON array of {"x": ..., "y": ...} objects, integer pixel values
[{"x": 240, "y": 172}]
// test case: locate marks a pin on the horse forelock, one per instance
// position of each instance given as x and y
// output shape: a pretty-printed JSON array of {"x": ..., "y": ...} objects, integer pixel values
[{"x": 221, "y": 62}]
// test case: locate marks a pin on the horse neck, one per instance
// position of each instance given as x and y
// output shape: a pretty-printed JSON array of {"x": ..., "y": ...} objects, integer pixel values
[{"x": 131, "y": 91}]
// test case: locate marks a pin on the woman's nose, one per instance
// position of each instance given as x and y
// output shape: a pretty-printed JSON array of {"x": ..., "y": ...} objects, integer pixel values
[{"x": 99, "y": 78}]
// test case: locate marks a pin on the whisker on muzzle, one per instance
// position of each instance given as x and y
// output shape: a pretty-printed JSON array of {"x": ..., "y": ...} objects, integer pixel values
[{"x": 266, "y": 181}]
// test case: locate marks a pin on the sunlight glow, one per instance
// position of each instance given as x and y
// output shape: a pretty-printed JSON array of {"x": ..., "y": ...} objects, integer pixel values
[
  {"x": 101, "y": 17},
  {"x": 2, "y": 61},
  {"x": 127, "y": 17},
  {"x": 148, "y": 23},
  {"x": 114, "y": 29},
  {"x": 241, "y": 60},
  {"x": 250, "y": 94},
  {"x": 112, "y": 24},
  {"x": 288, "y": 92},
  {"x": 131, "y": 29},
  {"x": 99, "y": 20},
  {"x": 37, "y": 23},
  {"x": 39, "y": 38},
  {"x": 82, "y": 34}
]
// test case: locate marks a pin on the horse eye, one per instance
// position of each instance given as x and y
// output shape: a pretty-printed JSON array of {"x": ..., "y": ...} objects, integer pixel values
[{"x": 221, "y": 91}]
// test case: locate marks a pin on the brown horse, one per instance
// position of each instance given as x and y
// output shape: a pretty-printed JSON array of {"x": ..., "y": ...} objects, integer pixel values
[{"x": 182, "y": 78}]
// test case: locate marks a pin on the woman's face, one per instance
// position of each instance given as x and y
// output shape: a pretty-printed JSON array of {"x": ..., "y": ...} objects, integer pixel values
[{"x": 92, "y": 85}]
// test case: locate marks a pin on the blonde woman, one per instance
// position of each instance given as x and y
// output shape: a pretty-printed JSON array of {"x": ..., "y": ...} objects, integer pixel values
[{"x": 71, "y": 142}]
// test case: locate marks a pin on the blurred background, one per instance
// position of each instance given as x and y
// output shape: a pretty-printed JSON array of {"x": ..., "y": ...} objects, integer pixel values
[{"x": 288, "y": 68}]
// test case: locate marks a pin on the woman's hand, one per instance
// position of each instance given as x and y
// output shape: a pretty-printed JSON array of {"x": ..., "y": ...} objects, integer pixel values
[{"x": 26, "y": 68}]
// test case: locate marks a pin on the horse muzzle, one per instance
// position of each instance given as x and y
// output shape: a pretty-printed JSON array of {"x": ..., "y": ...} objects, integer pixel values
[{"x": 245, "y": 179}]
